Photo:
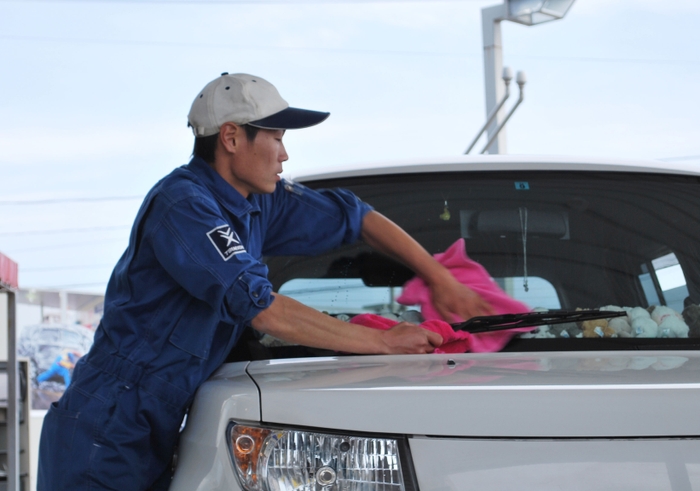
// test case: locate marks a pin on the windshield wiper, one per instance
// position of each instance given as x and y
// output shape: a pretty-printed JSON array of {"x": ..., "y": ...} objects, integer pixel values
[{"x": 510, "y": 321}]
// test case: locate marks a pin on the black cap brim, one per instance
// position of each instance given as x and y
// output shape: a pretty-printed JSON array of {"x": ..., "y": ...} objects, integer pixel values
[{"x": 291, "y": 118}]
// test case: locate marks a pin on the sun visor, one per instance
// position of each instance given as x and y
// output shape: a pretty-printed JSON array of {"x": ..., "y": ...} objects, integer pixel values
[{"x": 517, "y": 222}]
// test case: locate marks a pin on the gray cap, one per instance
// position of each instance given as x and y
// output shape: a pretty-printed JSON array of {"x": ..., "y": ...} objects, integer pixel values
[{"x": 246, "y": 99}]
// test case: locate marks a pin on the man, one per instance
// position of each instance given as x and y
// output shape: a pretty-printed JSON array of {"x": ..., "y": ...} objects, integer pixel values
[
  {"x": 192, "y": 278},
  {"x": 61, "y": 366}
]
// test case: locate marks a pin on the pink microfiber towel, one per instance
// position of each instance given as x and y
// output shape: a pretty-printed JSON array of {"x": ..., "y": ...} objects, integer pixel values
[
  {"x": 473, "y": 275},
  {"x": 469, "y": 273},
  {"x": 452, "y": 342}
]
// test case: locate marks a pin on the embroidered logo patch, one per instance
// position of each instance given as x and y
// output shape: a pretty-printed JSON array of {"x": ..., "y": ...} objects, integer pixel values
[{"x": 226, "y": 241}]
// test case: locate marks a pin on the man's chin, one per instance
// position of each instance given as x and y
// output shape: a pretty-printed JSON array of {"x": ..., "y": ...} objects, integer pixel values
[{"x": 268, "y": 189}]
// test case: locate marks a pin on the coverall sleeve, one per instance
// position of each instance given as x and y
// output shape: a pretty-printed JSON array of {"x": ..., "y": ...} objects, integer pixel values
[
  {"x": 236, "y": 285},
  {"x": 307, "y": 222}
]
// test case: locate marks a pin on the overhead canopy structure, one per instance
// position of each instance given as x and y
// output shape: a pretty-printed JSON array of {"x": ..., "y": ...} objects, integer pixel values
[{"x": 8, "y": 285}]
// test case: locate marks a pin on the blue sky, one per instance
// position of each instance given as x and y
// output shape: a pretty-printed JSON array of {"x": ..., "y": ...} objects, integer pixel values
[{"x": 96, "y": 95}]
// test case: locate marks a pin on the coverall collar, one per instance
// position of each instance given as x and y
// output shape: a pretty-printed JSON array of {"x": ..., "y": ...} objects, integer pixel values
[{"x": 225, "y": 194}]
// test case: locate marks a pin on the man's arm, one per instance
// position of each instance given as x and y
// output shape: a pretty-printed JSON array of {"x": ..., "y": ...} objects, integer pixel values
[
  {"x": 292, "y": 321},
  {"x": 449, "y": 297}
]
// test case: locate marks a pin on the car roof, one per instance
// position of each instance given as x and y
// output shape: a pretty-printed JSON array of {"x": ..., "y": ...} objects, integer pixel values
[{"x": 499, "y": 163}]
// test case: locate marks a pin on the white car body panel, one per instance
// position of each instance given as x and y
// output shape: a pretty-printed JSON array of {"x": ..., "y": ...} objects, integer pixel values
[
  {"x": 203, "y": 461},
  {"x": 499, "y": 163},
  {"x": 597, "y": 394},
  {"x": 562, "y": 465},
  {"x": 463, "y": 428}
]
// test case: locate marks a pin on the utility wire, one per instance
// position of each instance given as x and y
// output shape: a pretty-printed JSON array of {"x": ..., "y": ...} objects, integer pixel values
[
  {"x": 103, "y": 284},
  {"x": 62, "y": 268},
  {"x": 66, "y": 200},
  {"x": 584, "y": 59},
  {"x": 244, "y": 2},
  {"x": 53, "y": 247},
  {"x": 232, "y": 46},
  {"x": 593, "y": 59},
  {"x": 65, "y": 231}
]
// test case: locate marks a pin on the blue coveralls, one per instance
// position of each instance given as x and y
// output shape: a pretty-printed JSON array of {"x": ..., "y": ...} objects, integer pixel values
[{"x": 189, "y": 282}]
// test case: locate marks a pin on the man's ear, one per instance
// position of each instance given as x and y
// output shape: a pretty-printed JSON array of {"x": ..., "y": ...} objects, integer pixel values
[{"x": 230, "y": 135}]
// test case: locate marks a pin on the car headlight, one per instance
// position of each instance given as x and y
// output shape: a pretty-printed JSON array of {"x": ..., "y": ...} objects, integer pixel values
[{"x": 273, "y": 459}]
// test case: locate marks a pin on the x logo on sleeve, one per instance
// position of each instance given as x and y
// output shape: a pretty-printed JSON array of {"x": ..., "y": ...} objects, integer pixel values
[{"x": 226, "y": 241}]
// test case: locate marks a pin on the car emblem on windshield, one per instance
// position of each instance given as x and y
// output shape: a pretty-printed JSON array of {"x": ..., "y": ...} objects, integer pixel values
[{"x": 226, "y": 241}]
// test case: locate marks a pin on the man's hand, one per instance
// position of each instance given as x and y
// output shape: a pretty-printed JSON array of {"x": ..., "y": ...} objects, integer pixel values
[
  {"x": 450, "y": 298},
  {"x": 406, "y": 338},
  {"x": 292, "y": 321},
  {"x": 457, "y": 303}
]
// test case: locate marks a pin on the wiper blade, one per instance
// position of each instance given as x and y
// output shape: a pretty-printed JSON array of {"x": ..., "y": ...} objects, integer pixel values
[{"x": 529, "y": 319}]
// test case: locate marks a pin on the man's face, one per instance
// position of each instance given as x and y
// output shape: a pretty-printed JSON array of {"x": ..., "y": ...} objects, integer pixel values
[{"x": 258, "y": 163}]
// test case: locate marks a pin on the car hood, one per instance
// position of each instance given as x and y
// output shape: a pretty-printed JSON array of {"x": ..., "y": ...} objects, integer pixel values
[{"x": 592, "y": 394}]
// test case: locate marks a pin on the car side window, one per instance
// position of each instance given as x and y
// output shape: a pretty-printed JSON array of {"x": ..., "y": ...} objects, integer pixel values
[
  {"x": 343, "y": 295},
  {"x": 352, "y": 296},
  {"x": 72, "y": 338},
  {"x": 50, "y": 336},
  {"x": 663, "y": 282}
]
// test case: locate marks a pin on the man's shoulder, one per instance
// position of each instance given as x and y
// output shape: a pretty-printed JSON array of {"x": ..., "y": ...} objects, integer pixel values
[
  {"x": 181, "y": 184},
  {"x": 288, "y": 187}
]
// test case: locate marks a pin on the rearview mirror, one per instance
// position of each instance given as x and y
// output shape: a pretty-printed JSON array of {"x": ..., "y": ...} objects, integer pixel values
[{"x": 512, "y": 222}]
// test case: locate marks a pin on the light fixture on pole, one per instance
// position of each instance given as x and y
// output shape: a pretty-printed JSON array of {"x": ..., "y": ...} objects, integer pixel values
[
  {"x": 531, "y": 12},
  {"x": 527, "y": 12}
]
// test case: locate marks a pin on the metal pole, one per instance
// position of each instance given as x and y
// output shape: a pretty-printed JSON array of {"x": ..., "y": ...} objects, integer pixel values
[
  {"x": 13, "y": 443},
  {"x": 491, "y": 18},
  {"x": 507, "y": 77},
  {"x": 521, "y": 84}
]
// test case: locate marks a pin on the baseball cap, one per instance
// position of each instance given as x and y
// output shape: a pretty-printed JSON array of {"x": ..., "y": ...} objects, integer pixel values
[{"x": 246, "y": 99}]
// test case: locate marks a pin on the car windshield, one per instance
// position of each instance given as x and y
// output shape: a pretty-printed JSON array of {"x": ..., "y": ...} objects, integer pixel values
[{"x": 552, "y": 240}]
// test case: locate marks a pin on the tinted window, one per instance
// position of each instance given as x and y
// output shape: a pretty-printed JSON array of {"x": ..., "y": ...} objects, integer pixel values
[{"x": 551, "y": 239}]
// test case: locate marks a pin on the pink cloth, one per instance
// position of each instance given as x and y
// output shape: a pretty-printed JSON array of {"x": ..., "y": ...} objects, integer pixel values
[
  {"x": 473, "y": 275},
  {"x": 469, "y": 273},
  {"x": 452, "y": 342}
]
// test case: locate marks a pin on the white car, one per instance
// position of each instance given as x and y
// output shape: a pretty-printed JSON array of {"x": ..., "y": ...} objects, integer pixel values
[
  {"x": 613, "y": 405},
  {"x": 42, "y": 343}
]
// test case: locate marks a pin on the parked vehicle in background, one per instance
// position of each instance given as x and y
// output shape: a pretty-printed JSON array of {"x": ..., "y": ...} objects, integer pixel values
[
  {"x": 608, "y": 405},
  {"x": 43, "y": 344}
]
